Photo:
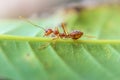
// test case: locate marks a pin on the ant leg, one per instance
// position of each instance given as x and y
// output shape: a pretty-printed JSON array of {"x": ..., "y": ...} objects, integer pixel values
[
  {"x": 64, "y": 29},
  {"x": 56, "y": 33},
  {"x": 44, "y": 46},
  {"x": 55, "y": 41},
  {"x": 56, "y": 37}
]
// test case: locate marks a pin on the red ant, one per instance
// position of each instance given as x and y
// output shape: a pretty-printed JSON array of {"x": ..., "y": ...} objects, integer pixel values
[{"x": 75, "y": 34}]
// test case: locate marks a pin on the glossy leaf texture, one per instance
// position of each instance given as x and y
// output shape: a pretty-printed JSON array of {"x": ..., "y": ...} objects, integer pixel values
[{"x": 33, "y": 57}]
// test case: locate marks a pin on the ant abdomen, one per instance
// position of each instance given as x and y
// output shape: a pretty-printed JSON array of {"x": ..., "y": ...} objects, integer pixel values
[{"x": 75, "y": 34}]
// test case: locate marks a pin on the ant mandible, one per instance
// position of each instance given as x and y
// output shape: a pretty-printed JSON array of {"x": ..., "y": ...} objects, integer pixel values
[{"x": 75, "y": 34}]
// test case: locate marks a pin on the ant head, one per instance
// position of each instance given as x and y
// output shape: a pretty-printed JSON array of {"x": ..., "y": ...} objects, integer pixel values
[
  {"x": 76, "y": 34},
  {"x": 48, "y": 32}
]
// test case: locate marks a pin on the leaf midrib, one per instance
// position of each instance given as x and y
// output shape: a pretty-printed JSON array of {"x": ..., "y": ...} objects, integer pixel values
[{"x": 42, "y": 39}]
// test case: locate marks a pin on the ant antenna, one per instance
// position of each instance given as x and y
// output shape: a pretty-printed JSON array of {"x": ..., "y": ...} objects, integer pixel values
[{"x": 31, "y": 22}]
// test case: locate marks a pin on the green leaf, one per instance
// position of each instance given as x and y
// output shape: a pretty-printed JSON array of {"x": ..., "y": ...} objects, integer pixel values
[{"x": 24, "y": 56}]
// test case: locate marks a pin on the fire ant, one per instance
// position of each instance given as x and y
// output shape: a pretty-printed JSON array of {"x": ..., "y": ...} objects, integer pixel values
[{"x": 75, "y": 34}]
